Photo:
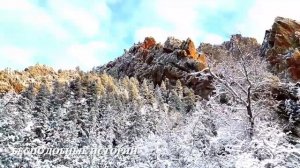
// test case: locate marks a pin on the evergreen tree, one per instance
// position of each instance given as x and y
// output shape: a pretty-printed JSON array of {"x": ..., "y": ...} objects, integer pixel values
[
  {"x": 76, "y": 88},
  {"x": 91, "y": 95},
  {"x": 167, "y": 83},
  {"x": 179, "y": 89},
  {"x": 175, "y": 102},
  {"x": 41, "y": 111},
  {"x": 164, "y": 91},
  {"x": 125, "y": 82},
  {"x": 133, "y": 89},
  {"x": 159, "y": 96},
  {"x": 85, "y": 82},
  {"x": 66, "y": 93},
  {"x": 136, "y": 124},
  {"x": 84, "y": 123},
  {"x": 108, "y": 83},
  {"x": 57, "y": 96},
  {"x": 42, "y": 99},
  {"x": 147, "y": 93},
  {"x": 29, "y": 92},
  {"x": 189, "y": 100},
  {"x": 100, "y": 88}
]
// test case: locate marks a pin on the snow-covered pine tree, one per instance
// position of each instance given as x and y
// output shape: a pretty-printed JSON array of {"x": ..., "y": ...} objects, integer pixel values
[
  {"x": 179, "y": 89},
  {"x": 189, "y": 100},
  {"x": 76, "y": 88},
  {"x": 175, "y": 102},
  {"x": 56, "y": 98},
  {"x": 42, "y": 99},
  {"x": 147, "y": 93},
  {"x": 164, "y": 91},
  {"x": 91, "y": 95},
  {"x": 29, "y": 92}
]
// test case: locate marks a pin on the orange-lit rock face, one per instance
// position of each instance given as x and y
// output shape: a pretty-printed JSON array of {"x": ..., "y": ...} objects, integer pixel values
[
  {"x": 284, "y": 35},
  {"x": 280, "y": 44},
  {"x": 145, "y": 47},
  {"x": 185, "y": 49},
  {"x": 190, "y": 49},
  {"x": 148, "y": 43},
  {"x": 294, "y": 65},
  {"x": 202, "y": 60},
  {"x": 192, "y": 53}
]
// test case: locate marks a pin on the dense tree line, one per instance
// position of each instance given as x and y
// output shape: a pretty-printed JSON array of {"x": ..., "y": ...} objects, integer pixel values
[
  {"x": 81, "y": 113},
  {"x": 169, "y": 125}
]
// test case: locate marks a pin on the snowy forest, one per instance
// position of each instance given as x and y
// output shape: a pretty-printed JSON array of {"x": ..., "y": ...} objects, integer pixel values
[{"x": 239, "y": 125}]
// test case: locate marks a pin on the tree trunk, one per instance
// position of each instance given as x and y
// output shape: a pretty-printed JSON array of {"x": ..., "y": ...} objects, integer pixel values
[
  {"x": 249, "y": 112},
  {"x": 251, "y": 129}
]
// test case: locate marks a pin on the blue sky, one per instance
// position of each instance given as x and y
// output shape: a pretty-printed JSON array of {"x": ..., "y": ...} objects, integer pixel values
[{"x": 86, "y": 33}]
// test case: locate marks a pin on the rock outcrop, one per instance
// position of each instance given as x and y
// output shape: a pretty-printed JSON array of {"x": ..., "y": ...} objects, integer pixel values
[
  {"x": 280, "y": 47},
  {"x": 175, "y": 60},
  {"x": 219, "y": 52},
  {"x": 148, "y": 43}
]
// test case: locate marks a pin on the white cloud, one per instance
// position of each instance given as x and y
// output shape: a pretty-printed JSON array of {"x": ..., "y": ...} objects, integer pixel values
[
  {"x": 16, "y": 5},
  {"x": 179, "y": 13},
  {"x": 51, "y": 20},
  {"x": 182, "y": 19},
  {"x": 159, "y": 34},
  {"x": 213, "y": 39},
  {"x": 181, "y": 16},
  {"x": 262, "y": 14},
  {"x": 73, "y": 25},
  {"x": 15, "y": 57},
  {"x": 102, "y": 10},
  {"x": 84, "y": 55},
  {"x": 27, "y": 14},
  {"x": 219, "y": 4},
  {"x": 42, "y": 21},
  {"x": 84, "y": 19},
  {"x": 185, "y": 17}
]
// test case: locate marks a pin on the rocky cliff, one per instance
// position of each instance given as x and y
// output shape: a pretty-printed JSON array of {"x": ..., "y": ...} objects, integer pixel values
[
  {"x": 216, "y": 53},
  {"x": 174, "y": 60},
  {"x": 280, "y": 47}
]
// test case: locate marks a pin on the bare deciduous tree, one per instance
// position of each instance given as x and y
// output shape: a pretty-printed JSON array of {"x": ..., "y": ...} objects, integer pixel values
[{"x": 241, "y": 72}]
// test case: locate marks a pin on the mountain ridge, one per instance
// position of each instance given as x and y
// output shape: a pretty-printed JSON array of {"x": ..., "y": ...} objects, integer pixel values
[{"x": 175, "y": 60}]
